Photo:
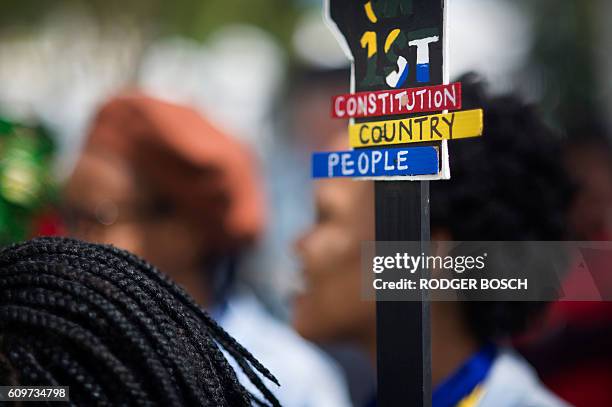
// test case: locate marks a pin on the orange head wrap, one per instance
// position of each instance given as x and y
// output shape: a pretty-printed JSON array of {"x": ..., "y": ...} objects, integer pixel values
[{"x": 210, "y": 176}]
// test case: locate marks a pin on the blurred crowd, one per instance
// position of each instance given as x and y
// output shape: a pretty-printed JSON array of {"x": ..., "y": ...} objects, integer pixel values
[{"x": 198, "y": 161}]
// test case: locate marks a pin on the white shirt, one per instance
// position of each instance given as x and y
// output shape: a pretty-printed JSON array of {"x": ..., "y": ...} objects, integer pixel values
[
  {"x": 308, "y": 377},
  {"x": 512, "y": 382}
]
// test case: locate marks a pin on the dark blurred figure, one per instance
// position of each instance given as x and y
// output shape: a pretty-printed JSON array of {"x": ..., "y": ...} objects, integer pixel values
[
  {"x": 507, "y": 185},
  {"x": 159, "y": 180},
  {"x": 588, "y": 157},
  {"x": 571, "y": 348},
  {"x": 113, "y": 329}
]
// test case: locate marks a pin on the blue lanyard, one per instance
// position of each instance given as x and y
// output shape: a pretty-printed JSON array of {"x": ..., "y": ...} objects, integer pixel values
[
  {"x": 461, "y": 383},
  {"x": 465, "y": 379}
]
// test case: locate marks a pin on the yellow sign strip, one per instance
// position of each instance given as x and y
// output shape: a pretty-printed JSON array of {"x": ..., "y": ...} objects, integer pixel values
[{"x": 437, "y": 127}]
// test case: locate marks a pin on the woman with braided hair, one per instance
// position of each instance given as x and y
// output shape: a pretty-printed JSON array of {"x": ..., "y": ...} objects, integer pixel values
[{"x": 114, "y": 329}]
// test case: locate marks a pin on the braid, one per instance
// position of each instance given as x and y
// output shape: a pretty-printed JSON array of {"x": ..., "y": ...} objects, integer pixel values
[{"x": 114, "y": 329}]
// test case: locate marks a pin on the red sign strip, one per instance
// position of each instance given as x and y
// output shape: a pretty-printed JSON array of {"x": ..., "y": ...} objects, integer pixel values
[{"x": 397, "y": 101}]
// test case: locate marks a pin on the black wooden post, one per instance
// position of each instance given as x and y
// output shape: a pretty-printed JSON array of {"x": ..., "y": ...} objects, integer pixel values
[
  {"x": 379, "y": 35},
  {"x": 403, "y": 328}
]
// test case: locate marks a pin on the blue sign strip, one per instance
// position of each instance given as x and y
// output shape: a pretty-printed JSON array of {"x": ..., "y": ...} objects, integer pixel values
[{"x": 388, "y": 162}]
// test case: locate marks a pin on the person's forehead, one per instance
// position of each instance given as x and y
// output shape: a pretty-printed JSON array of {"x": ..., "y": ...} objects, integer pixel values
[{"x": 101, "y": 176}]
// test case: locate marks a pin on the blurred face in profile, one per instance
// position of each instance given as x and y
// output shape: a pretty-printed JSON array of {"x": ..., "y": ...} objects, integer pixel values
[
  {"x": 330, "y": 308},
  {"x": 104, "y": 202}
]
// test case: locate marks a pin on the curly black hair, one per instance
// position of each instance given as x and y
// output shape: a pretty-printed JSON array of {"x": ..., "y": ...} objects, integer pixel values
[
  {"x": 509, "y": 185},
  {"x": 114, "y": 329}
]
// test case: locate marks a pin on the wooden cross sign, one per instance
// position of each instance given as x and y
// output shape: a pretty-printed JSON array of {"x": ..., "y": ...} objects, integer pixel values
[
  {"x": 400, "y": 95},
  {"x": 403, "y": 112}
]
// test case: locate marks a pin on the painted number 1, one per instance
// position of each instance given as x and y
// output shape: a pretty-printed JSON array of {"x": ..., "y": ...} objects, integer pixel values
[{"x": 396, "y": 74}]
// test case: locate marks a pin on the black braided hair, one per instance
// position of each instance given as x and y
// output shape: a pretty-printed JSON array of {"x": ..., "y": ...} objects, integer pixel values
[{"x": 114, "y": 329}]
